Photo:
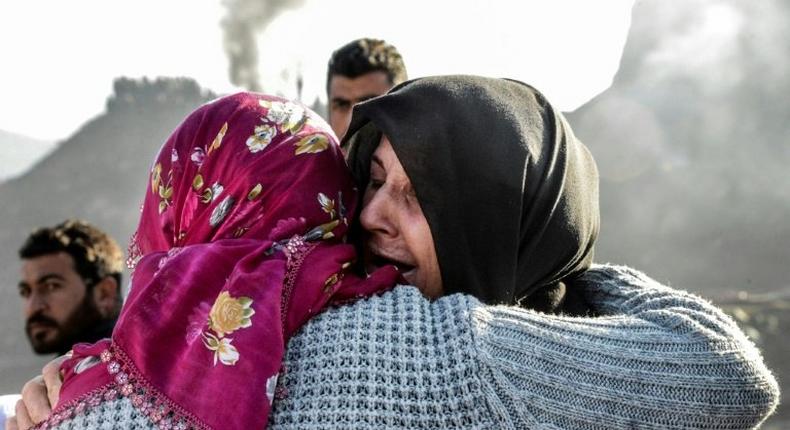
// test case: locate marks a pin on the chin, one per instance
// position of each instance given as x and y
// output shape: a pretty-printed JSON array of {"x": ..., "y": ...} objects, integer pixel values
[
  {"x": 44, "y": 348},
  {"x": 44, "y": 343},
  {"x": 432, "y": 292}
]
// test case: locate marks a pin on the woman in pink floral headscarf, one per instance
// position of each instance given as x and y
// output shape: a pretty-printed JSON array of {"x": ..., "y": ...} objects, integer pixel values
[{"x": 240, "y": 242}]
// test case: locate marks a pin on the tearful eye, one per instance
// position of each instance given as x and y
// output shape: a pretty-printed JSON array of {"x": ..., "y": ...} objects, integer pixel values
[
  {"x": 341, "y": 105},
  {"x": 375, "y": 184}
]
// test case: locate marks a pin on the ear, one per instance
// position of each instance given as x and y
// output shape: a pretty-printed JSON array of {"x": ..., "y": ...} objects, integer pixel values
[{"x": 105, "y": 295}]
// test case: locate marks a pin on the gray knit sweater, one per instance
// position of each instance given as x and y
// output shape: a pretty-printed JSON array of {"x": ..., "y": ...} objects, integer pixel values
[{"x": 657, "y": 358}]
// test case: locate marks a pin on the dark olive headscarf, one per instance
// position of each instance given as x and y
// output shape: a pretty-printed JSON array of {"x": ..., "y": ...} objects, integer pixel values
[{"x": 510, "y": 195}]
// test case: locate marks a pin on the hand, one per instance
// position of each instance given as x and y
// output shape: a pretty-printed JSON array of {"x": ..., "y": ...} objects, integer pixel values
[
  {"x": 38, "y": 396},
  {"x": 10, "y": 423}
]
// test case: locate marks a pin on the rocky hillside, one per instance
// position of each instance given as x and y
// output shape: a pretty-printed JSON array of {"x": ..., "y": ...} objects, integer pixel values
[
  {"x": 19, "y": 153},
  {"x": 98, "y": 174}
]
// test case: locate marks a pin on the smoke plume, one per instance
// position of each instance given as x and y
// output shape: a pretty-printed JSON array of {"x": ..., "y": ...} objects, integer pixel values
[
  {"x": 692, "y": 144},
  {"x": 245, "y": 19}
]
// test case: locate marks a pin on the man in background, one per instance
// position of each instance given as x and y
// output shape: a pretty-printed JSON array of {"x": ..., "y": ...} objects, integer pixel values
[
  {"x": 70, "y": 286},
  {"x": 360, "y": 70}
]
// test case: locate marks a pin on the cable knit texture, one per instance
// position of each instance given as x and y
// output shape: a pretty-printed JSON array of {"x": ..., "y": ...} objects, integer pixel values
[{"x": 655, "y": 358}]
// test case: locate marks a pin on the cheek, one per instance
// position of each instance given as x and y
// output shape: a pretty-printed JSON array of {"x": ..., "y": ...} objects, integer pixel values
[
  {"x": 424, "y": 250},
  {"x": 338, "y": 116},
  {"x": 64, "y": 302},
  {"x": 420, "y": 240},
  {"x": 339, "y": 124},
  {"x": 27, "y": 307},
  {"x": 425, "y": 241}
]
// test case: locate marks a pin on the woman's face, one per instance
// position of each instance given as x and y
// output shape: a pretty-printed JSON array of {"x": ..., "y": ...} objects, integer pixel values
[{"x": 397, "y": 231}]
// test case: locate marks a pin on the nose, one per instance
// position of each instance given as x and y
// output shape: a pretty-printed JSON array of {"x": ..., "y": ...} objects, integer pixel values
[
  {"x": 377, "y": 217},
  {"x": 345, "y": 120},
  {"x": 339, "y": 120}
]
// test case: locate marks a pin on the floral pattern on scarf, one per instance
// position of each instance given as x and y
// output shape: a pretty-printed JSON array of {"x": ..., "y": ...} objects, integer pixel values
[{"x": 240, "y": 242}]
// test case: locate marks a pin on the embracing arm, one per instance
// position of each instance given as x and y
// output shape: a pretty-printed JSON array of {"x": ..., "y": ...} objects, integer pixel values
[{"x": 655, "y": 358}]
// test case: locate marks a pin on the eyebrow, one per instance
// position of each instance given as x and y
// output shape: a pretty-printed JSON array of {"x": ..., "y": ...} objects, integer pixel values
[
  {"x": 359, "y": 100},
  {"x": 367, "y": 97},
  {"x": 43, "y": 279}
]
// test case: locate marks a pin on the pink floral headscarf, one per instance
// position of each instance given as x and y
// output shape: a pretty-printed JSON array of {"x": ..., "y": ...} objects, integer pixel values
[{"x": 240, "y": 242}]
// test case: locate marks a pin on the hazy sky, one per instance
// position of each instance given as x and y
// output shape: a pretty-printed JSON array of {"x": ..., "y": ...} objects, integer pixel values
[{"x": 60, "y": 57}]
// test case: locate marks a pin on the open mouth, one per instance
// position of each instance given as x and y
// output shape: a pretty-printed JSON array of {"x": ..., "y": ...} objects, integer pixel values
[{"x": 375, "y": 261}]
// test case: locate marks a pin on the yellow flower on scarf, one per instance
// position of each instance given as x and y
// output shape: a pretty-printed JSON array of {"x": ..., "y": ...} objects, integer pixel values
[
  {"x": 165, "y": 192},
  {"x": 156, "y": 177},
  {"x": 218, "y": 140},
  {"x": 327, "y": 205},
  {"x": 312, "y": 144},
  {"x": 230, "y": 314}
]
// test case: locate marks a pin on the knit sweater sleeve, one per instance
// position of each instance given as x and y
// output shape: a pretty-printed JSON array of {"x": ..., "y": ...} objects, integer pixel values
[{"x": 655, "y": 358}]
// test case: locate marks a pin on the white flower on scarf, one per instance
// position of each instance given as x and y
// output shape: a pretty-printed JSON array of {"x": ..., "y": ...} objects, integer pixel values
[
  {"x": 261, "y": 138},
  {"x": 88, "y": 362},
  {"x": 198, "y": 154},
  {"x": 223, "y": 350},
  {"x": 172, "y": 252},
  {"x": 209, "y": 194},
  {"x": 219, "y": 213},
  {"x": 271, "y": 386},
  {"x": 216, "y": 190},
  {"x": 290, "y": 117}
]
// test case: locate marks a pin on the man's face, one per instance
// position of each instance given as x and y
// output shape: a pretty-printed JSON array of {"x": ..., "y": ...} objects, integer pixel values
[
  {"x": 57, "y": 307},
  {"x": 345, "y": 92},
  {"x": 396, "y": 229}
]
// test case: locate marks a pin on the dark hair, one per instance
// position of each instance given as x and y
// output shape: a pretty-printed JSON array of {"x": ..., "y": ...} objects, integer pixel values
[
  {"x": 96, "y": 255},
  {"x": 366, "y": 55}
]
